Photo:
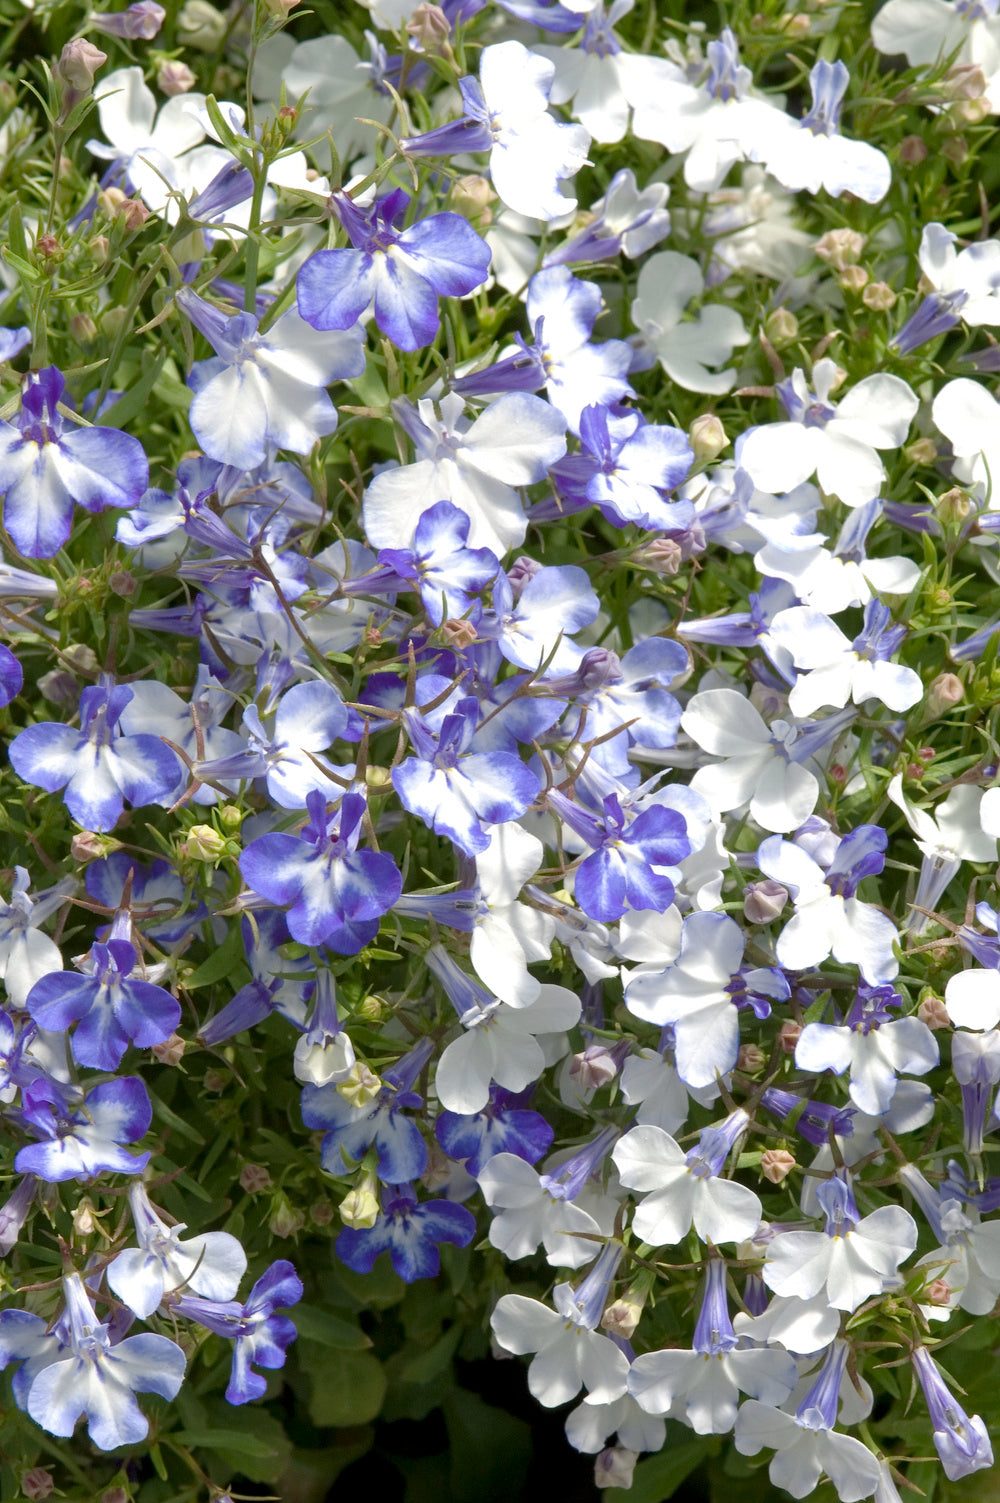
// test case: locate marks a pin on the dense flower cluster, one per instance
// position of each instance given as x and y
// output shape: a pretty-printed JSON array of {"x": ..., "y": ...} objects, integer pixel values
[{"x": 506, "y": 659}]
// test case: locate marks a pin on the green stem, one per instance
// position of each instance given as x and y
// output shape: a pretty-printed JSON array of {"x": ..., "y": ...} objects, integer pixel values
[{"x": 253, "y": 244}]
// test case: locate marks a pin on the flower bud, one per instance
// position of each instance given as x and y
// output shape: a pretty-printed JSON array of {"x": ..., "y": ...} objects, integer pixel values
[
  {"x": 954, "y": 506},
  {"x": 750, "y": 1059},
  {"x": 796, "y": 26},
  {"x": 215, "y": 1081},
  {"x": 879, "y": 297},
  {"x": 921, "y": 451},
  {"x": 99, "y": 247},
  {"x": 82, "y": 328},
  {"x": 781, "y": 327},
  {"x": 78, "y": 65},
  {"x": 86, "y": 846},
  {"x": 200, "y": 25},
  {"x": 254, "y": 1178},
  {"x": 964, "y": 81},
  {"x": 623, "y": 1315},
  {"x": 763, "y": 901},
  {"x": 853, "y": 278},
  {"x": 439, "y": 1168},
  {"x": 471, "y": 196},
  {"x": 776, "y": 1164},
  {"x": 118, "y": 1494},
  {"x": 174, "y": 77},
  {"x": 50, "y": 249},
  {"x": 170, "y": 1051},
  {"x": 360, "y": 1208},
  {"x": 707, "y": 437},
  {"x": 913, "y": 150},
  {"x": 361, "y": 1086},
  {"x": 955, "y": 150},
  {"x": 429, "y": 27},
  {"x": 594, "y": 1068},
  {"x": 932, "y": 1010},
  {"x": 121, "y": 582},
  {"x": 141, "y": 22},
  {"x": 840, "y": 248},
  {"x": 84, "y": 1220},
  {"x": 81, "y": 658},
  {"x": 937, "y": 1292},
  {"x": 284, "y": 1220},
  {"x": 37, "y": 1484},
  {"x": 230, "y": 818},
  {"x": 203, "y": 843},
  {"x": 614, "y": 1467},
  {"x": 378, "y": 779},
  {"x": 59, "y": 687},
  {"x": 134, "y": 213},
  {"x": 788, "y": 1035},
  {"x": 945, "y": 691},
  {"x": 321, "y": 1214},
  {"x": 458, "y": 634}
]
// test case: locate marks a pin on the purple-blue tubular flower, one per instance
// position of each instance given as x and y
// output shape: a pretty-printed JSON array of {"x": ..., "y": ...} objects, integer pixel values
[
  {"x": 962, "y": 1443},
  {"x": 352, "y": 1130},
  {"x": 11, "y": 676},
  {"x": 713, "y": 1332},
  {"x": 141, "y": 22},
  {"x": 98, "y": 767},
  {"x": 410, "y": 1232},
  {"x": 975, "y": 1062},
  {"x": 818, "y": 1409},
  {"x": 81, "y": 1136},
  {"x": 13, "y": 1215},
  {"x": 46, "y": 468},
  {"x": 336, "y": 893},
  {"x": 403, "y": 271},
  {"x": 622, "y": 871},
  {"x": 257, "y": 1333},
  {"x": 501, "y": 1127},
  {"x": 445, "y": 571},
  {"x": 111, "y": 1007},
  {"x": 567, "y": 1180},
  {"x": 814, "y": 1120}
]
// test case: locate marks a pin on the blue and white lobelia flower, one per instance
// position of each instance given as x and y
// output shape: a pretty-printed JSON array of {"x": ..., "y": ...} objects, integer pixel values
[
  {"x": 709, "y": 1378},
  {"x": 962, "y": 1443},
  {"x": 47, "y": 467},
  {"x": 926, "y": 31},
  {"x": 82, "y": 1133},
  {"x": 632, "y": 861},
  {"x": 402, "y": 271},
  {"x": 410, "y": 1231},
  {"x": 211, "y": 1265},
  {"x": 440, "y": 565},
  {"x": 506, "y": 114},
  {"x": 965, "y": 288},
  {"x": 872, "y": 1045},
  {"x": 76, "y": 1369},
  {"x": 627, "y": 466},
  {"x": 690, "y": 350},
  {"x": 257, "y": 1333},
  {"x": 626, "y": 222},
  {"x": 685, "y": 1189},
  {"x": 97, "y": 766},
  {"x": 26, "y": 954},
  {"x": 811, "y": 153},
  {"x": 401, "y": 1153},
  {"x": 829, "y": 918},
  {"x": 535, "y": 1209},
  {"x": 262, "y": 392},
  {"x": 951, "y": 835},
  {"x": 503, "y": 1126}
]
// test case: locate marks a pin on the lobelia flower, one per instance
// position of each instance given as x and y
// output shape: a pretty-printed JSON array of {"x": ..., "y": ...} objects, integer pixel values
[
  {"x": 211, "y": 1265},
  {"x": 625, "y": 869},
  {"x": 535, "y": 1209},
  {"x": 98, "y": 767},
  {"x": 502, "y": 1126},
  {"x": 445, "y": 571},
  {"x": 872, "y": 1045},
  {"x": 562, "y": 312},
  {"x": 962, "y": 1443},
  {"x": 811, "y": 153},
  {"x": 341, "y": 89},
  {"x": 927, "y": 31},
  {"x": 625, "y": 221},
  {"x": 11, "y": 676},
  {"x": 506, "y": 114},
  {"x": 699, "y": 995},
  {"x": 832, "y": 580},
  {"x": 534, "y": 628},
  {"x": 806, "y": 1442},
  {"x": 264, "y": 391},
  {"x": 403, "y": 271},
  {"x": 966, "y": 413},
  {"x": 410, "y": 1231},
  {"x": 967, "y": 1258},
  {"x": 146, "y": 144},
  {"x": 82, "y": 1133},
  {"x": 689, "y": 350},
  {"x": 401, "y": 1153},
  {"x": 836, "y": 670},
  {"x": 945, "y": 839},
  {"x": 685, "y": 1188},
  {"x": 477, "y": 466},
  {"x": 853, "y": 1258},
  {"x": 77, "y": 1370},
  {"x": 26, "y": 954},
  {"x": 499, "y": 1043},
  {"x": 570, "y": 1353},
  {"x": 589, "y": 1427},
  {"x": 111, "y": 1006},
  {"x": 836, "y": 442},
  {"x": 155, "y": 709},
  {"x": 597, "y": 76},
  {"x": 258, "y": 1334},
  {"x": 626, "y": 466},
  {"x": 965, "y": 288},
  {"x": 508, "y": 935},
  {"x": 336, "y": 892},
  {"x": 324, "y": 1054},
  {"x": 829, "y": 918},
  {"x": 47, "y": 467},
  {"x": 456, "y": 791},
  {"x": 278, "y": 984},
  {"x": 139, "y": 22},
  {"x": 975, "y": 1064},
  {"x": 709, "y": 1378}
]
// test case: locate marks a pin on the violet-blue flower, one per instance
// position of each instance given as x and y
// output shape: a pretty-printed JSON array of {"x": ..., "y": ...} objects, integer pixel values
[
  {"x": 410, "y": 1231},
  {"x": 82, "y": 1134},
  {"x": 257, "y": 1333}
]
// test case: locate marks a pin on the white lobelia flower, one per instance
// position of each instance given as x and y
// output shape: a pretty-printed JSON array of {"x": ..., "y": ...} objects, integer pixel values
[
  {"x": 836, "y": 669},
  {"x": 210, "y": 1265},
  {"x": 533, "y": 1209},
  {"x": 690, "y": 351},
  {"x": 853, "y": 1258},
  {"x": 834, "y": 580},
  {"x": 952, "y": 834},
  {"x": 969, "y": 417},
  {"x": 26, "y": 954},
  {"x": 836, "y": 442},
  {"x": 147, "y": 145},
  {"x": 342, "y": 91},
  {"x": 570, "y": 1354},
  {"x": 600, "y": 80},
  {"x": 478, "y": 466},
  {"x": 500, "y": 1044},
  {"x": 972, "y": 999},
  {"x": 508, "y": 935},
  {"x": 872, "y": 1045},
  {"x": 989, "y": 815},
  {"x": 928, "y": 31},
  {"x": 685, "y": 1189},
  {"x": 812, "y": 154}
]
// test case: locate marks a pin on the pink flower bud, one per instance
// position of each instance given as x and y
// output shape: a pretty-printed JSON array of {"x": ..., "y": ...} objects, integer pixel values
[
  {"x": 175, "y": 78},
  {"x": 764, "y": 901},
  {"x": 776, "y": 1164},
  {"x": 788, "y": 1036},
  {"x": 78, "y": 64},
  {"x": 254, "y": 1178},
  {"x": 614, "y": 1467}
]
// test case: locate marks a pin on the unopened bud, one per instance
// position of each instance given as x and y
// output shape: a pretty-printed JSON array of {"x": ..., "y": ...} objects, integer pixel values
[
  {"x": 229, "y": 817},
  {"x": 458, "y": 633},
  {"x": 921, "y": 451},
  {"x": 788, "y": 1035},
  {"x": 879, "y": 297},
  {"x": 659, "y": 556},
  {"x": 81, "y": 658},
  {"x": 955, "y": 150},
  {"x": 853, "y": 278},
  {"x": 614, "y": 1467},
  {"x": 776, "y": 1164},
  {"x": 372, "y": 1009},
  {"x": 78, "y": 65},
  {"x": 321, "y": 1214},
  {"x": 59, "y": 687},
  {"x": 99, "y": 247},
  {"x": 439, "y": 1168},
  {"x": 750, "y": 1059},
  {"x": 913, "y": 150},
  {"x": 796, "y": 26},
  {"x": 964, "y": 81},
  {"x": 200, "y": 25},
  {"x": 113, "y": 321},
  {"x": 622, "y": 1316},
  {"x": 284, "y": 1220},
  {"x": 707, "y": 437},
  {"x": 378, "y": 779},
  {"x": 594, "y": 1068},
  {"x": 945, "y": 691},
  {"x": 429, "y": 27},
  {"x": 471, "y": 197},
  {"x": 175, "y": 78},
  {"x": 973, "y": 111},
  {"x": 203, "y": 843},
  {"x": 50, "y": 249},
  {"x": 954, "y": 505},
  {"x": 141, "y": 22},
  {"x": 214, "y": 1081},
  {"x": 84, "y": 1220},
  {"x": 170, "y": 1051},
  {"x": 134, "y": 213},
  {"x": 122, "y": 583},
  {"x": 37, "y": 1484},
  {"x": 361, "y": 1086},
  {"x": 360, "y": 1208},
  {"x": 254, "y": 1178},
  {"x": 933, "y": 1012},
  {"x": 781, "y": 327},
  {"x": 87, "y": 846},
  {"x": 937, "y": 1292},
  {"x": 840, "y": 248},
  {"x": 763, "y": 901},
  {"x": 82, "y": 328}
]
